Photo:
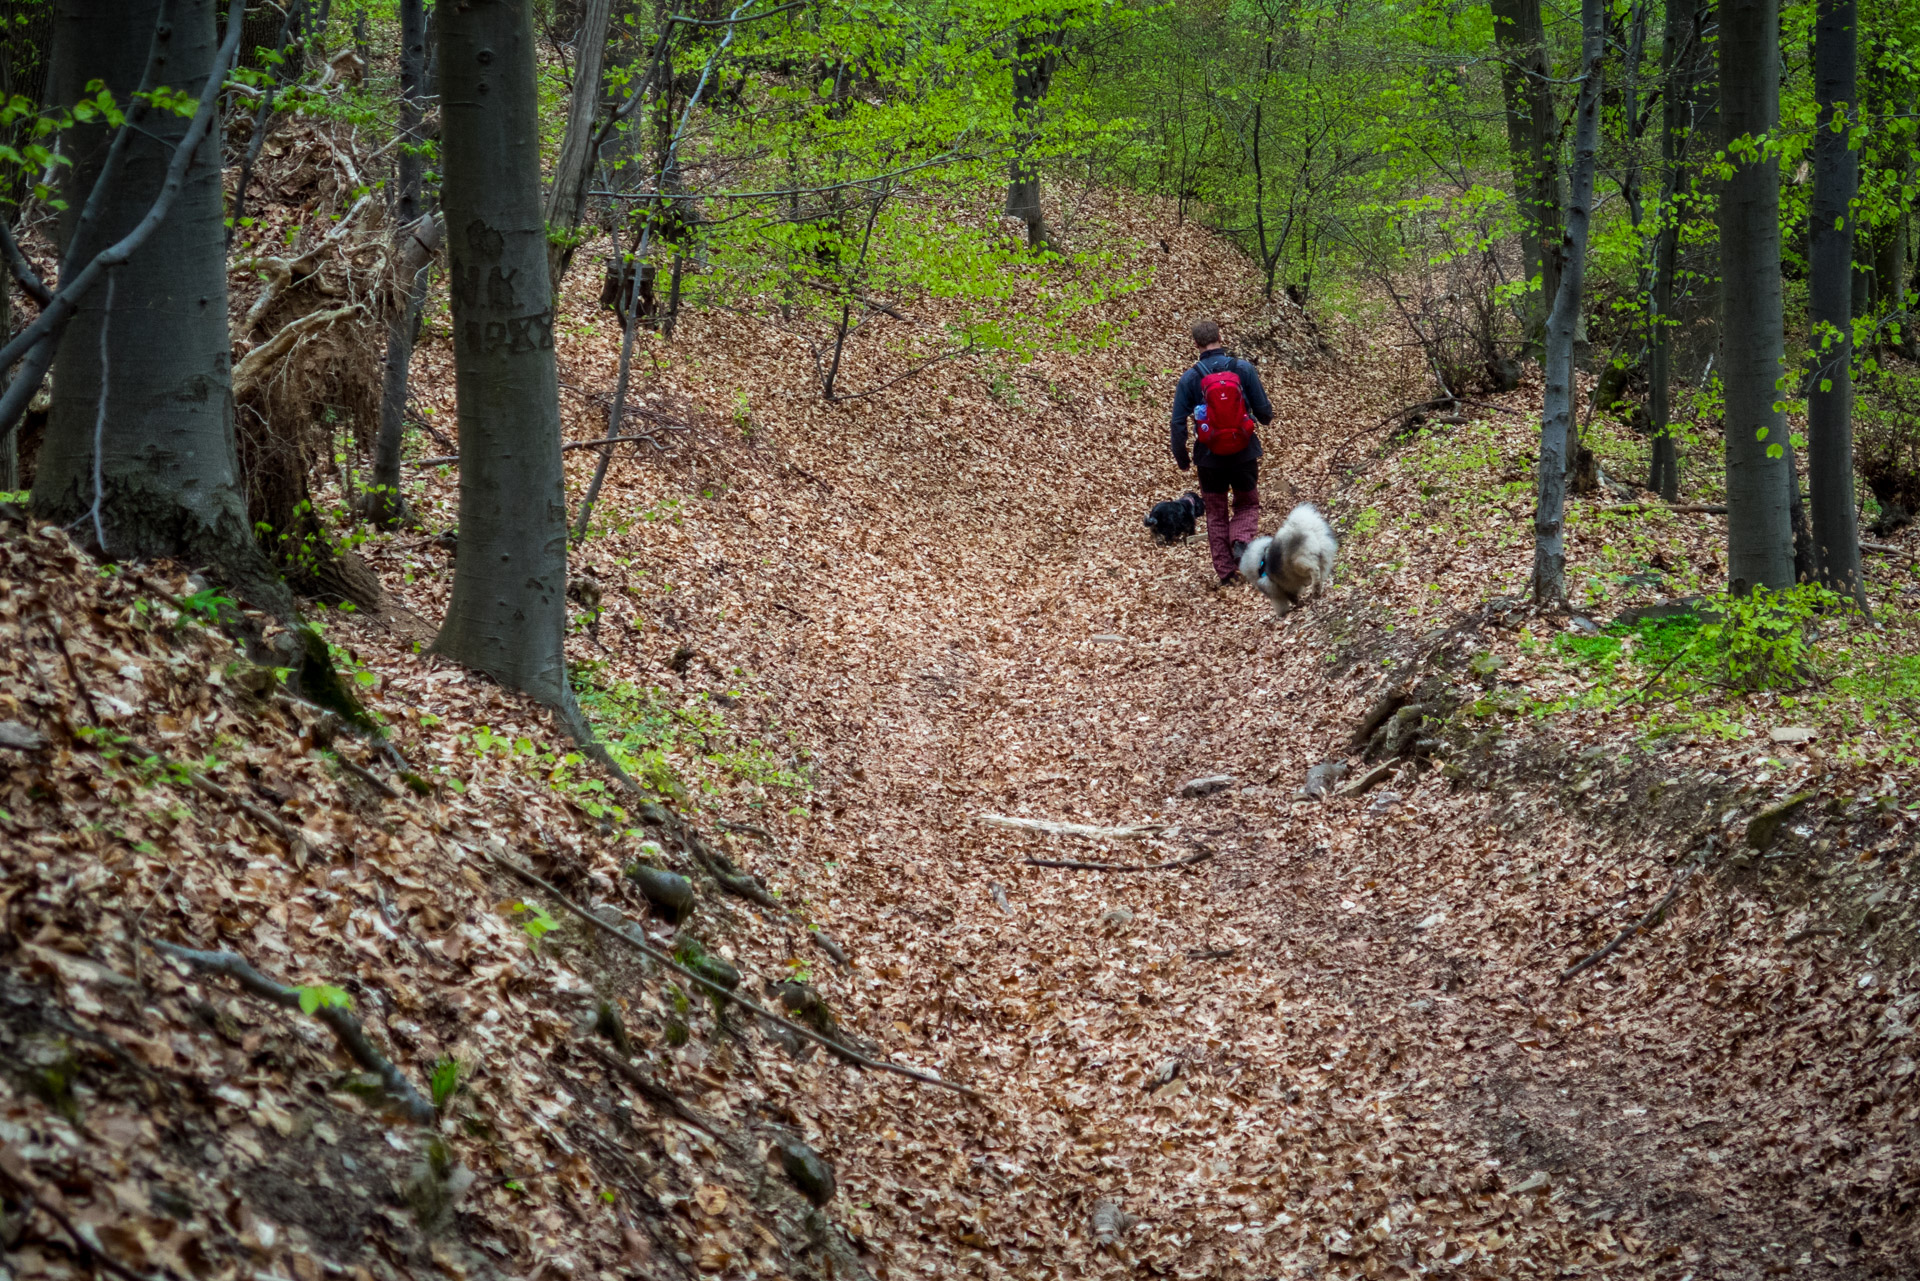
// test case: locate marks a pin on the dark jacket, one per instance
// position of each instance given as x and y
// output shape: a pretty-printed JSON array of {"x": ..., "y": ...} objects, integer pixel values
[{"x": 1187, "y": 398}]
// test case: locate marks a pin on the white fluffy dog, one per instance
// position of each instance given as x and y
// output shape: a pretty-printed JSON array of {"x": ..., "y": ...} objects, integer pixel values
[{"x": 1298, "y": 556}]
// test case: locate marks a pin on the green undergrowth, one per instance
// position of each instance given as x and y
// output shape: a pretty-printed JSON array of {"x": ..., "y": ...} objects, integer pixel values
[
  {"x": 690, "y": 750},
  {"x": 1732, "y": 670}
]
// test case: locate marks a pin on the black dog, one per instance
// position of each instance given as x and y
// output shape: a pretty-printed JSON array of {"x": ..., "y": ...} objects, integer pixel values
[{"x": 1173, "y": 520}]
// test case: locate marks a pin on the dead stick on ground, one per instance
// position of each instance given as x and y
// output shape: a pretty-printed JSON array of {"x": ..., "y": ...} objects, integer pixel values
[
  {"x": 344, "y": 1026},
  {"x": 651, "y": 1090},
  {"x": 654, "y": 953},
  {"x": 1189, "y": 861},
  {"x": 88, "y": 1250},
  {"x": 1620, "y": 938},
  {"x": 1132, "y": 832}
]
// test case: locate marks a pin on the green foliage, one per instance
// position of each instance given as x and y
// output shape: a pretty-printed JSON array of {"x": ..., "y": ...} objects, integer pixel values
[
  {"x": 535, "y": 921},
  {"x": 444, "y": 1081},
  {"x": 322, "y": 996}
]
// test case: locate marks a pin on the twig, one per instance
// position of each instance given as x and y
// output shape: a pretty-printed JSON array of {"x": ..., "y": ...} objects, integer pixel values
[
  {"x": 1799, "y": 935},
  {"x": 651, "y": 1090},
  {"x": 447, "y": 460},
  {"x": 88, "y": 1250},
  {"x": 728, "y": 825},
  {"x": 22, "y": 269},
  {"x": 780, "y": 604},
  {"x": 52, "y": 622},
  {"x": 1189, "y": 861},
  {"x": 1133, "y": 832},
  {"x": 1210, "y": 954},
  {"x": 655, "y": 954},
  {"x": 366, "y": 776},
  {"x": 344, "y": 1026},
  {"x": 1631, "y": 930},
  {"x": 1885, "y": 549},
  {"x": 48, "y": 325}
]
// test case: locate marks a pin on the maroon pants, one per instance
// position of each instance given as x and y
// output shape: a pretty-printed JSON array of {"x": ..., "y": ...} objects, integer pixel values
[{"x": 1243, "y": 526}]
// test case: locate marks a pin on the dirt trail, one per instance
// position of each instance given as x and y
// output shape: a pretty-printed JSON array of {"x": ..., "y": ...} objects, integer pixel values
[{"x": 1362, "y": 1079}]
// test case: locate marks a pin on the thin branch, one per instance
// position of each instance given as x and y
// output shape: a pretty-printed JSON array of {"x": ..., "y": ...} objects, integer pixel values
[
  {"x": 345, "y": 1028},
  {"x": 22, "y": 269},
  {"x": 655, "y": 954},
  {"x": 1131, "y": 832},
  {"x": 1189, "y": 861},
  {"x": 52, "y": 320},
  {"x": 1637, "y": 927}
]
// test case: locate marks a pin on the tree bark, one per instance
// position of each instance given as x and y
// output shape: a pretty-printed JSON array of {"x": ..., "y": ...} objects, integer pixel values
[
  {"x": 507, "y": 613},
  {"x": 1549, "y": 528},
  {"x": 1533, "y": 137},
  {"x": 141, "y": 425},
  {"x": 567, "y": 199},
  {"x": 1683, "y": 55},
  {"x": 413, "y": 78},
  {"x": 1836, "y": 179},
  {"x": 419, "y": 240},
  {"x": 1036, "y": 54},
  {"x": 1759, "y": 486}
]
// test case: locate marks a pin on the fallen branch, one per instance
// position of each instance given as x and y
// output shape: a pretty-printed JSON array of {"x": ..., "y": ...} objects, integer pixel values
[
  {"x": 655, "y": 954},
  {"x": 565, "y": 445},
  {"x": 1637, "y": 927},
  {"x": 1378, "y": 774},
  {"x": 652, "y": 1091},
  {"x": 1189, "y": 861},
  {"x": 345, "y": 1028},
  {"x": 1044, "y": 827},
  {"x": 1682, "y": 509},
  {"x": 1816, "y": 931},
  {"x": 251, "y": 369},
  {"x": 1885, "y": 549},
  {"x": 88, "y": 1251}
]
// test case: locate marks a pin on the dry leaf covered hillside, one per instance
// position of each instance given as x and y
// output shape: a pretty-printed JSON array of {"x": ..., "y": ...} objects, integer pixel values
[{"x": 477, "y": 1011}]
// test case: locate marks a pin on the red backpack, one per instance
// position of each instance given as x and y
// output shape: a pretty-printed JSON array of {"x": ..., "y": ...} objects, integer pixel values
[{"x": 1226, "y": 429}]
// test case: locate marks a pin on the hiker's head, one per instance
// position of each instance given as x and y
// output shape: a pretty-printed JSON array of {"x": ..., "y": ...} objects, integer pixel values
[{"x": 1206, "y": 333}]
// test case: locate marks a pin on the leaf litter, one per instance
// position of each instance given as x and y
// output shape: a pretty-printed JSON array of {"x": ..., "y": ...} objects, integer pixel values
[{"x": 837, "y": 643}]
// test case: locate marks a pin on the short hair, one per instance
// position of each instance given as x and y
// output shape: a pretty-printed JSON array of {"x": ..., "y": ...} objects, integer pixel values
[{"x": 1205, "y": 333}]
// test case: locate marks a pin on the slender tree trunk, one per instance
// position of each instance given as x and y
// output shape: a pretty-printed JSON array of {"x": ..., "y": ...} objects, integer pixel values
[
  {"x": 1836, "y": 179},
  {"x": 1682, "y": 56},
  {"x": 1549, "y": 529},
  {"x": 1035, "y": 56},
  {"x": 1759, "y": 483},
  {"x": 567, "y": 198},
  {"x": 507, "y": 613},
  {"x": 141, "y": 426},
  {"x": 1534, "y": 126},
  {"x": 413, "y": 76},
  {"x": 419, "y": 240},
  {"x": 414, "y": 248}
]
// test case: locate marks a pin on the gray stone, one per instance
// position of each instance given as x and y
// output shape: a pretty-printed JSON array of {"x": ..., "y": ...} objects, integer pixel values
[
  {"x": 1206, "y": 786},
  {"x": 806, "y": 1169},
  {"x": 670, "y": 893}
]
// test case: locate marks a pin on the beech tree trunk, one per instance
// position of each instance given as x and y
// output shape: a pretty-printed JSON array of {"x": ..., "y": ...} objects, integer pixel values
[
  {"x": 1683, "y": 55},
  {"x": 1549, "y": 527},
  {"x": 1836, "y": 178},
  {"x": 143, "y": 370},
  {"x": 567, "y": 199},
  {"x": 507, "y": 613},
  {"x": 1035, "y": 56},
  {"x": 1760, "y": 485},
  {"x": 418, "y": 241},
  {"x": 1533, "y": 138},
  {"x": 415, "y": 247}
]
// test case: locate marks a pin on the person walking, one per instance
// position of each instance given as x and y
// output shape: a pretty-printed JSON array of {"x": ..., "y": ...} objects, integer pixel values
[{"x": 1224, "y": 396}]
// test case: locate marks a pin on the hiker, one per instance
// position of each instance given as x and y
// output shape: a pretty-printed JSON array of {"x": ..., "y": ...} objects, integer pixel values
[{"x": 1224, "y": 396}]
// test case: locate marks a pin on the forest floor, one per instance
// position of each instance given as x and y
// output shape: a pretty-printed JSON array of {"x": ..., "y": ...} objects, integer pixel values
[{"x": 1338, "y": 1044}]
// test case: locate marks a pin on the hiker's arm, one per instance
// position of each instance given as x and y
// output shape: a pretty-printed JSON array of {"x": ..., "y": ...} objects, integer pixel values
[
  {"x": 1256, "y": 393},
  {"x": 1183, "y": 403}
]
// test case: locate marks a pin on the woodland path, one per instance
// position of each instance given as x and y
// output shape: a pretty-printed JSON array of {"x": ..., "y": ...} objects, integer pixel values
[{"x": 1346, "y": 1065}]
